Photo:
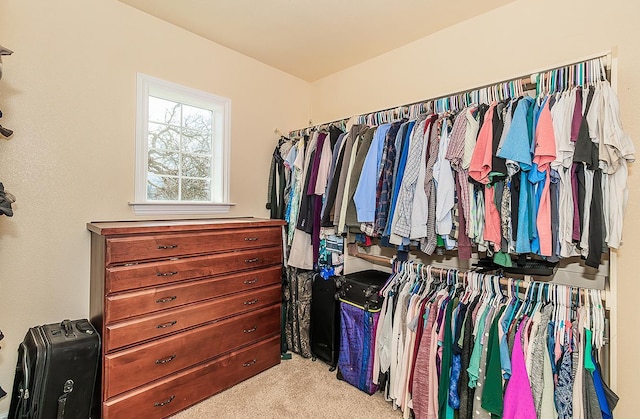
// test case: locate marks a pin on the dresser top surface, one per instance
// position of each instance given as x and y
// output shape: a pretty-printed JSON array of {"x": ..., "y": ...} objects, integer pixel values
[{"x": 108, "y": 228}]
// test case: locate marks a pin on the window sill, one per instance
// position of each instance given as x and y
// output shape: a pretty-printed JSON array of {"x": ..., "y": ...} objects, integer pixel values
[{"x": 179, "y": 208}]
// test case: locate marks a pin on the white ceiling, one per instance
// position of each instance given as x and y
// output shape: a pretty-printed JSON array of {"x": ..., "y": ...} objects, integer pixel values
[{"x": 311, "y": 39}]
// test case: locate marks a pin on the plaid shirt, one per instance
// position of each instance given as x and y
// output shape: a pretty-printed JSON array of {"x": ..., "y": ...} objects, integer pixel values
[
  {"x": 455, "y": 154},
  {"x": 368, "y": 229},
  {"x": 404, "y": 204},
  {"x": 385, "y": 183},
  {"x": 430, "y": 242}
]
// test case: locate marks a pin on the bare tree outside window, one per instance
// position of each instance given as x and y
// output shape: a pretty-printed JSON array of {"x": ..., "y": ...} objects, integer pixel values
[{"x": 180, "y": 151}]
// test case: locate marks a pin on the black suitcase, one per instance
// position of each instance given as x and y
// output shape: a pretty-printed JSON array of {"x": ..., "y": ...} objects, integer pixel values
[
  {"x": 325, "y": 320},
  {"x": 56, "y": 372},
  {"x": 361, "y": 288}
]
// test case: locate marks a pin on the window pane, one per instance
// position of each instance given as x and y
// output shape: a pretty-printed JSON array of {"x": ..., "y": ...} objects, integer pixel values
[
  {"x": 162, "y": 188},
  {"x": 196, "y": 118},
  {"x": 196, "y": 166},
  {"x": 166, "y": 111},
  {"x": 163, "y": 162},
  {"x": 196, "y": 141},
  {"x": 164, "y": 137},
  {"x": 180, "y": 145},
  {"x": 196, "y": 190}
]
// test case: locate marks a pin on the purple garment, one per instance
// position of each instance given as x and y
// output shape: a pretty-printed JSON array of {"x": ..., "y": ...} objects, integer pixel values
[
  {"x": 577, "y": 117},
  {"x": 316, "y": 200},
  {"x": 576, "y": 212},
  {"x": 315, "y": 234},
  {"x": 420, "y": 392},
  {"x": 357, "y": 343}
]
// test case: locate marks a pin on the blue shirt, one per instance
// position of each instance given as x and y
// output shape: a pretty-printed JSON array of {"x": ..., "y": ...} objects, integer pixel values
[
  {"x": 523, "y": 245},
  {"x": 403, "y": 135},
  {"x": 517, "y": 143},
  {"x": 537, "y": 179},
  {"x": 365, "y": 194}
]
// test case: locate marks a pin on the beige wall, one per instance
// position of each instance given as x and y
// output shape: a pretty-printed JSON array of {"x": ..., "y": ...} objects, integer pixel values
[
  {"x": 512, "y": 41},
  {"x": 69, "y": 93}
]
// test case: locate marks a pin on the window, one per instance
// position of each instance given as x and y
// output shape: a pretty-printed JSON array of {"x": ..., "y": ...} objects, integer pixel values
[{"x": 182, "y": 150}]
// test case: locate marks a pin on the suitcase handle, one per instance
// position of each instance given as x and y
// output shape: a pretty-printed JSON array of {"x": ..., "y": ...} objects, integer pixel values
[{"x": 67, "y": 326}]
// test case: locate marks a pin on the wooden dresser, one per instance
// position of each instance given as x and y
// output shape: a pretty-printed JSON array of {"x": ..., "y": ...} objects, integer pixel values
[{"x": 186, "y": 309}]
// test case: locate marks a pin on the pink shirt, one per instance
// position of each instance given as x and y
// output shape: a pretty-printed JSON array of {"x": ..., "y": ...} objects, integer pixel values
[
  {"x": 492, "y": 232},
  {"x": 544, "y": 154},
  {"x": 480, "y": 165},
  {"x": 518, "y": 399}
]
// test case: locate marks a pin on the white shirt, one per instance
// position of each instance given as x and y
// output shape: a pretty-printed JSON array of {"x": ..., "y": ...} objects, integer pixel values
[
  {"x": 445, "y": 185},
  {"x": 420, "y": 208}
]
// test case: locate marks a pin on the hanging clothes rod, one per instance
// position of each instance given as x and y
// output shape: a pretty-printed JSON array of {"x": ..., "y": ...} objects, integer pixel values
[
  {"x": 352, "y": 249},
  {"x": 587, "y": 70}
]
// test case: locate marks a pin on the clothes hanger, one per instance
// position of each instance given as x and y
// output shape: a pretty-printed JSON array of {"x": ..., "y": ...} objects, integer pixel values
[
  {"x": 534, "y": 299},
  {"x": 396, "y": 268},
  {"x": 517, "y": 302},
  {"x": 506, "y": 314}
]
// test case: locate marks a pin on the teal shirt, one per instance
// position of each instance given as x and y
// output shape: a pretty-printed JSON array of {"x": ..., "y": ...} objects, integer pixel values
[
  {"x": 474, "y": 362},
  {"x": 492, "y": 395}
]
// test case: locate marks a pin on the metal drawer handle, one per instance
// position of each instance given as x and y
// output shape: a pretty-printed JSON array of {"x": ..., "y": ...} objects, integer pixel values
[
  {"x": 171, "y": 246},
  {"x": 166, "y": 299},
  {"x": 251, "y": 281},
  {"x": 169, "y": 400},
  {"x": 165, "y": 325},
  {"x": 248, "y": 303},
  {"x": 250, "y": 239},
  {"x": 164, "y": 361},
  {"x": 167, "y": 273},
  {"x": 251, "y": 260},
  {"x": 253, "y": 329},
  {"x": 250, "y": 363}
]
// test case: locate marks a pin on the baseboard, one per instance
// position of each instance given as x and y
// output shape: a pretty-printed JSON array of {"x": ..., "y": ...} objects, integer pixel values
[{"x": 4, "y": 415}]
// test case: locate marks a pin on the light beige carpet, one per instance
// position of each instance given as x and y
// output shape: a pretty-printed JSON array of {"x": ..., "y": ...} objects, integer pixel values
[{"x": 297, "y": 388}]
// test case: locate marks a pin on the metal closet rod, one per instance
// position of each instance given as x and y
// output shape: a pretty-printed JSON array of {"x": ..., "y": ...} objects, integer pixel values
[
  {"x": 527, "y": 83},
  {"x": 352, "y": 249}
]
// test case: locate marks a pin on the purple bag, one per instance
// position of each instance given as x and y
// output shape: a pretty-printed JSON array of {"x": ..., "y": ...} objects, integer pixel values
[{"x": 357, "y": 345}]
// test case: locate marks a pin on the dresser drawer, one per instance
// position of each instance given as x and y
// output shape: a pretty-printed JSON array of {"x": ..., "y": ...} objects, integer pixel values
[
  {"x": 125, "y": 370},
  {"x": 134, "y": 303},
  {"x": 128, "y": 332},
  {"x": 178, "y": 391},
  {"x": 151, "y": 274},
  {"x": 136, "y": 248}
]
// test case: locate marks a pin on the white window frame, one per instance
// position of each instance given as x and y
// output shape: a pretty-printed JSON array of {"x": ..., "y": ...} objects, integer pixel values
[{"x": 219, "y": 204}]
